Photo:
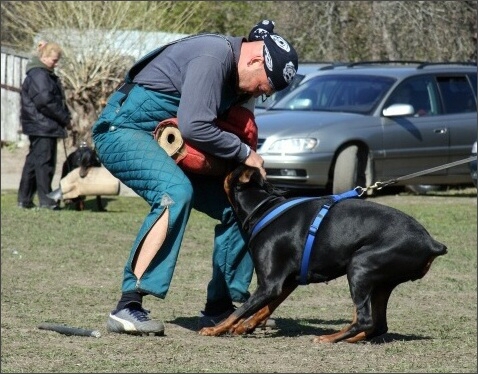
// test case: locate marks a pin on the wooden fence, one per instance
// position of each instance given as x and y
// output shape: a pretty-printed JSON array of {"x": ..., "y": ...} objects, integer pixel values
[{"x": 13, "y": 70}]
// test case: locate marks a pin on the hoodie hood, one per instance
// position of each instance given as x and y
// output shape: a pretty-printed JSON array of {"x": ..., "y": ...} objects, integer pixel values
[{"x": 36, "y": 63}]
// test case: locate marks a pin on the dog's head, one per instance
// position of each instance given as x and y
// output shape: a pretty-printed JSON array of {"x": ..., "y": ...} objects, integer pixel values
[
  {"x": 240, "y": 178},
  {"x": 246, "y": 189},
  {"x": 87, "y": 158}
]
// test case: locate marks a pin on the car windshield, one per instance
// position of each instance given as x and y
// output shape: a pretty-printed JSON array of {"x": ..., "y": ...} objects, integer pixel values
[
  {"x": 337, "y": 93},
  {"x": 264, "y": 101}
]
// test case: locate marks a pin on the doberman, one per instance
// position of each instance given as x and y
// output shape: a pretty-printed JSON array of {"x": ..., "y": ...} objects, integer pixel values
[
  {"x": 83, "y": 157},
  {"x": 377, "y": 247}
]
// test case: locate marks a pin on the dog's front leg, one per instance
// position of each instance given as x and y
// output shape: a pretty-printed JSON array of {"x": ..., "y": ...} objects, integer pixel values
[
  {"x": 99, "y": 204},
  {"x": 221, "y": 328},
  {"x": 250, "y": 324}
]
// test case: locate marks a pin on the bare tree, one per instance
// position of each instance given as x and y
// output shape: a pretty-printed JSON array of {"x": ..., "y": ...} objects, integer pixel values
[
  {"x": 100, "y": 41},
  {"x": 371, "y": 30}
]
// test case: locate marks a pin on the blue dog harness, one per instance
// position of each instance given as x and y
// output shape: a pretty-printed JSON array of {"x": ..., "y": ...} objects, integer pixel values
[{"x": 281, "y": 208}]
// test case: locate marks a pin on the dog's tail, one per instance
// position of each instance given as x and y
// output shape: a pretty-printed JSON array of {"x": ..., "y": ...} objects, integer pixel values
[{"x": 439, "y": 249}]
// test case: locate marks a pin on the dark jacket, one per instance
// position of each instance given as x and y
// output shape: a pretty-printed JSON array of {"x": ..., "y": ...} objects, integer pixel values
[{"x": 43, "y": 110}]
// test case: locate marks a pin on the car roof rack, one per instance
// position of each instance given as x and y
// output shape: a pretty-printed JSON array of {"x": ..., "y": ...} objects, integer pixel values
[
  {"x": 327, "y": 64},
  {"x": 467, "y": 63},
  {"x": 333, "y": 65},
  {"x": 421, "y": 64}
]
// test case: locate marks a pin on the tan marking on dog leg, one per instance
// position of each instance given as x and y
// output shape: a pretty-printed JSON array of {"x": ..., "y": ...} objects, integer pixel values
[
  {"x": 337, "y": 336},
  {"x": 220, "y": 328},
  {"x": 263, "y": 314},
  {"x": 357, "y": 338},
  {"x": 332, "y": 338}
]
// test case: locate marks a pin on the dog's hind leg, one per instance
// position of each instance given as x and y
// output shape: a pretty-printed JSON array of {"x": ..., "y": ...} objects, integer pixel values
[
  {"x": 380, "y": 296},
  {"x": 337, "y": 336},
  {"x": 361, "y": 290},
  {"x": 351, "y": 333}
]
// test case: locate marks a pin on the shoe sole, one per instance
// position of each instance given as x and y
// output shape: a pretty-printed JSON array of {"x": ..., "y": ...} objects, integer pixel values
[{"x": 138, "y": 333}]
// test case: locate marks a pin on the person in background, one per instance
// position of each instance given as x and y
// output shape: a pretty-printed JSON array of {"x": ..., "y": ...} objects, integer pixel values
[
  {"x": 44, "y": 118},
  {"x": 195, "y": 79}
]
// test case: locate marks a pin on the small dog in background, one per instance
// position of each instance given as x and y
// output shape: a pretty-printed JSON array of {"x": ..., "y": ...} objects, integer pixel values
[{"x": 83, "y": 157}]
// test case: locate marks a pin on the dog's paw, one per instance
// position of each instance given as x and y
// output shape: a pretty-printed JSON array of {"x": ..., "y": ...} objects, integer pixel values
[
  {"x": 322, "y": 339},
  {"x": 209, "y": 331}
]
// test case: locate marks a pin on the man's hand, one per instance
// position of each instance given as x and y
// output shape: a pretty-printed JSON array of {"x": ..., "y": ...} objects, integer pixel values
[{"x": 257, "y": 161}]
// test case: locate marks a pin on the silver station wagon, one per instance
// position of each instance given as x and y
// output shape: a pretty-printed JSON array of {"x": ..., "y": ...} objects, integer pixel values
[{"x": 361, "y": 123}]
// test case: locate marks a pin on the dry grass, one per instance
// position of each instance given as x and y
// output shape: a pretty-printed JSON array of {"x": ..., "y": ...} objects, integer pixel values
[{"x": 66, "y": 267}]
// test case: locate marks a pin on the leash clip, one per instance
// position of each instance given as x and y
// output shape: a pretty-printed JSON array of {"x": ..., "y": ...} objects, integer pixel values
[
  {"x": 360, "y": 190},
  {"x": 378, "y": 185}
]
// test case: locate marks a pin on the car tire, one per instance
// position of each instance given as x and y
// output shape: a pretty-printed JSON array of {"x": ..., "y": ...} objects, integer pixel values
[{"x": 349, "y": 171}]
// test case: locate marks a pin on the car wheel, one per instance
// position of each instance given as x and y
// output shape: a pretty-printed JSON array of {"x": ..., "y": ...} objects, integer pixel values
[
  {"x": 349, "y": 171},
  {"x": 422, "y": 189}
]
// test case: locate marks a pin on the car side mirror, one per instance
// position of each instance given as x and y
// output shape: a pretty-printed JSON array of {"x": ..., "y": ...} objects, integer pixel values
[{"x": 398, "y": 110}]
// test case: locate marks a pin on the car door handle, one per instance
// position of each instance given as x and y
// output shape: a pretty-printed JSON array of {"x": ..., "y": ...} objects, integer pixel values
[{"x": 440, "y": 131}]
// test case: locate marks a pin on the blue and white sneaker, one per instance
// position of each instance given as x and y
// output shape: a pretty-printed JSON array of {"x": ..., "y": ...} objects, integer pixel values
[{"x": 134, "y": 321}]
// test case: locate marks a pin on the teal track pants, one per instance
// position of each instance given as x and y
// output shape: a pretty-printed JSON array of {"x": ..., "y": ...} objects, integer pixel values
[{"x": 135, "y": 158}]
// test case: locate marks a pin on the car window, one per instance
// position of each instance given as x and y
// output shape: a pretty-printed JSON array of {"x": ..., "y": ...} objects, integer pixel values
[
  {"x": 337, "y": 93},
  {"x": 457, "y": 94},
  {"x": 419, "y": 92},
  {"x": 264, "y": 102}
]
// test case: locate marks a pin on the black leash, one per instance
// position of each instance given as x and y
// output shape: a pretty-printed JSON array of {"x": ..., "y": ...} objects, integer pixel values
[{"x": 380, "y": 185}]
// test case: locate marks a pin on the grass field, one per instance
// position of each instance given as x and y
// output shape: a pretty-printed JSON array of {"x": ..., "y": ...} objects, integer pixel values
[{"x": 66, "y": 267}]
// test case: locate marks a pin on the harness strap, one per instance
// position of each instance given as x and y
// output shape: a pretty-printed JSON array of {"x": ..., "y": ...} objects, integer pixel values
[
  {"x": 279, "y": 209},
  {"x": 313, "y": 231}
]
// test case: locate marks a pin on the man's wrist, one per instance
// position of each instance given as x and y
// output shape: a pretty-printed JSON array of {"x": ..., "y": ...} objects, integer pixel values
[
  {"x": 244, "y": 153},
  {"x": 248, "y": 153}
]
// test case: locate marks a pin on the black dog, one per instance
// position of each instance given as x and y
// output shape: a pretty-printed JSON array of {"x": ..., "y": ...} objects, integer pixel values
[
  {"x": 83, "y": 157},
  {"x": 376, "y": 246}
]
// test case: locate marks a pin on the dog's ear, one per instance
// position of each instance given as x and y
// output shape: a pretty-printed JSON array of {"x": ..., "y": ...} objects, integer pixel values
[
  {"x": 242, "y": 174},
  {"x": 246, "y": 175},
  {"x": 231, "y": 180}
]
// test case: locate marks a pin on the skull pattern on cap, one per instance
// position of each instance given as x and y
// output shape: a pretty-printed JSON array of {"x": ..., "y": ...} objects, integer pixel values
[
  {"x": 280, "y": 58},
  {"x": 261, "y": 29}
]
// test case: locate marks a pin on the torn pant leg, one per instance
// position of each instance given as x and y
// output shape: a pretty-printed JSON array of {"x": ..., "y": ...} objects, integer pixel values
[{"x": 134, "y": 157}]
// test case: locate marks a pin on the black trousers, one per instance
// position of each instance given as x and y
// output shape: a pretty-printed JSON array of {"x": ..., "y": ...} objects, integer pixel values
[{"x": 38, "y": 171}]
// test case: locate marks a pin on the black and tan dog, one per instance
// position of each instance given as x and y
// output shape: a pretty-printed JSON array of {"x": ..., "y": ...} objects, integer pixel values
[
  {"x": 83, "y": 157},
  {"x": 376, "y": 246}
]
